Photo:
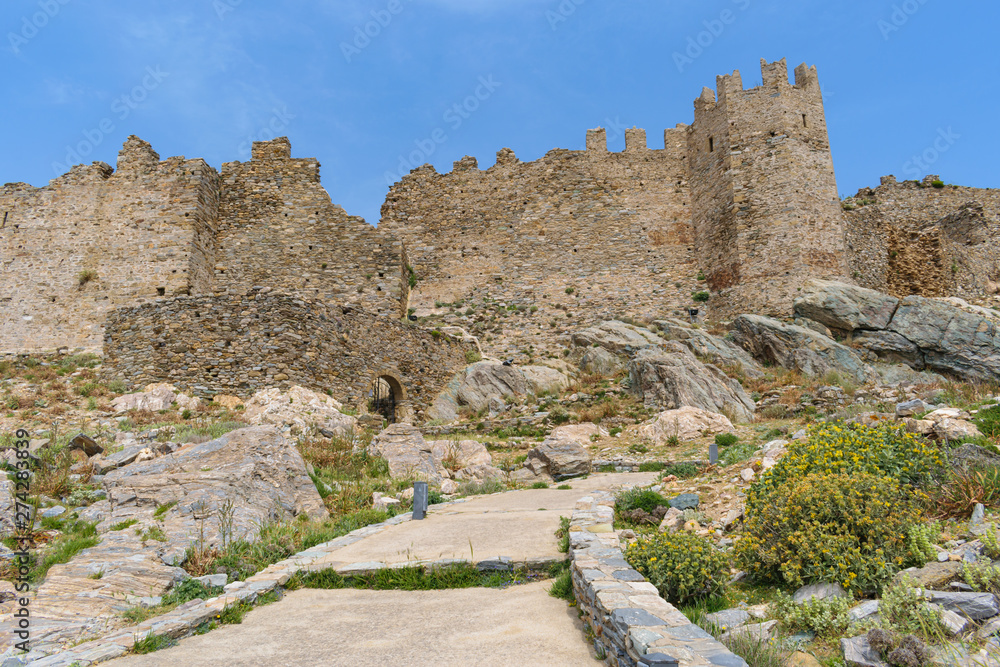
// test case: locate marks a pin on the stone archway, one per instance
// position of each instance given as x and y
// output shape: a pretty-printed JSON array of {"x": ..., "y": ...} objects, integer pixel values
[{"x": 387, "y": 397}]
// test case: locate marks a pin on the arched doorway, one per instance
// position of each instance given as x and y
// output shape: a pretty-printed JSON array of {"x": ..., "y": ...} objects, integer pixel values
[{"x": 384, "y": 397}]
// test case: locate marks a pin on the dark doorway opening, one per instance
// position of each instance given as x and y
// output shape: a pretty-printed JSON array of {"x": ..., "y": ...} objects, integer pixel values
[{"x": 383, "y": 398}]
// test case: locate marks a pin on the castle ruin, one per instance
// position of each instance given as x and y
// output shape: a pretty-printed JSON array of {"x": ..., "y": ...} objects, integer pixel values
[{"x": 742, "y": 203}]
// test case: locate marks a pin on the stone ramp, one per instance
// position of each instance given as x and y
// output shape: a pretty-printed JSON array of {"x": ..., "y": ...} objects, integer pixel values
[
  {"x": 521, "y": 625},
  {"x": 519, "y": 525}
]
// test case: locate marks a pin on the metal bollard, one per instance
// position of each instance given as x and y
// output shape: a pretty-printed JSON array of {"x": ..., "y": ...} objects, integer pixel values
[
  {"x": 419, "y": 500},
  {"x": 713, "y": 453}
]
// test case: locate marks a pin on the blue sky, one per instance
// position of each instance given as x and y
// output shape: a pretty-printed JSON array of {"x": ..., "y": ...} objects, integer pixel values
[{"x": 370, "y": 87}]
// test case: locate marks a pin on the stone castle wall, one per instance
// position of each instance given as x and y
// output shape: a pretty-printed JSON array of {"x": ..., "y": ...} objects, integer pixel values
[
  {"x": 278, "y": 228},
  {"x": 914, "y": 238},
  {"x": 765, "y": 208},
  {"x": 590, "y": 234},
  {"x": 238, "y": 344},
  {"x": 94, "y": 240}
]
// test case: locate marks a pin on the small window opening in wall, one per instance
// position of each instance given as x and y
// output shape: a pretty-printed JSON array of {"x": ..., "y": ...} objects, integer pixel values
[
  {"x": 160, "y": 291},
  {"x": 711, "y": 144},
  {"x": 310, "y": 247},
  {"x": 381, "y": 275},
  {"x": 805, "y": 121}
]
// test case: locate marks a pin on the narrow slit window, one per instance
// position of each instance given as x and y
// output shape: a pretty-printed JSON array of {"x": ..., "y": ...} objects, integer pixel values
[
  {"x": 805, "y": 121},
  {"x": 711, "y": 144}
]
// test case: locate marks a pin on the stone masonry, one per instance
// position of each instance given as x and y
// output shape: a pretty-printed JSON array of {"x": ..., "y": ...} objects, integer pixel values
[
  {"x": 238, "y": 344},
  {"x": 742, "y": 203}
]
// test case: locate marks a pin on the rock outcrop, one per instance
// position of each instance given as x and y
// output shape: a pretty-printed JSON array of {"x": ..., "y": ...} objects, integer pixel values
[
  {"x": 705, "y": 345},
  {"x": 298, "y": 409},
  {"x": 798, "y": 348},
  {"x": 671, "y": 377},
  {"x": 411, "y": 457},
  {"x": 685, "y": 424},
  {"x": 845, "y": 307},
  {"x": 489, "y": 379}
]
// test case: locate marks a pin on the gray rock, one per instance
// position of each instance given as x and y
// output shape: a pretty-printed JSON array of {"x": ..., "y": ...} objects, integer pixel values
[
  {"x": 795, "y": 348},
  {"x": 978, "y": 515},
  {"x": 6, "y": 505},
  {"x": 865, "y": 610},
  {"x": 858, "y": 653},
  {"x": 932, "y": 575},
  {"x": 213, "y": 580},
  {"x": 685, "y": 501},
  {"x": 910, "y": 408},
  {"x": 719, "y": 350},
  {"x": 598, "y": 361},
  {"x": 617, "y": 337},
  {"x": 845, "y": 307},
  {"x": 819, "y": 328},
  {"x": 974, "y": 606},
  {"x": 952, "y": 622},
  {"x": 114, "y": 461},
  {"x": 559, "y": 458},
  {"x": 160, "y": 398},
  {"x": 408, "y": 454},
  {"x": 760, "y": 631},
  {"x": 672, "y": 377},
  {"x": 820, "y": 592},
  {"x": 51, "y": 512},
  {"x": 257, "y": 467},
  {"x": 896, "y": 374},
  {"x": 86, "y": 444},
  {"x": 728, "y": 618},
  {"x": 952, "y": 340},
  {"x": 487, "y": 379}
]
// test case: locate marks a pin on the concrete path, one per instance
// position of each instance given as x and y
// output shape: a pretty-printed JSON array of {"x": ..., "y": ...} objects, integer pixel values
[
  {"x": 518, "y": 525},
  {"x": 522, "y": 625}
]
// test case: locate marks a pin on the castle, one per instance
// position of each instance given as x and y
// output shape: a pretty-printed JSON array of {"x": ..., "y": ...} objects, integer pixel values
[{"x": 742, "y": 204}]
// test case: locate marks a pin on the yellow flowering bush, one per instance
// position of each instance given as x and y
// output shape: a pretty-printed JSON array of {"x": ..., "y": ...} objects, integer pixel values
[
  {"x": 851, "y": 529},
  {"x": 835, "y": 448},
  {"x": 682, "y": 566}
]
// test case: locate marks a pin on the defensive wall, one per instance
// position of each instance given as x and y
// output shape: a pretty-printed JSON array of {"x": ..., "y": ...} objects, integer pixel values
[
  {"x": 238, "y": 344},
  {"x": 742, "y": 203},
  {"x": 925, "y": 237}
]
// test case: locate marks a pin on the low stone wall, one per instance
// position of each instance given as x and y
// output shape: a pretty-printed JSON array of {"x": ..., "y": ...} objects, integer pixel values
[
  {"x": 239, "y": 344},
  {"x": 631, "y": 622}
]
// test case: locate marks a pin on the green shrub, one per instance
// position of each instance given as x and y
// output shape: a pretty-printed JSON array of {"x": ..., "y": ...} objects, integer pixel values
[
  {"x": 983, "y": 575},
  {"x": 920, "y": 540},
  {"x": 903, "y": 609},
  {"x": 937, "y": 184},
  {"x": 988, "y": 422},
  {"x": 682, "y": 566},
  {"x": 472, "y": 356},
  {"x": 651, "y": 466},
  {"x": 701, "y": 296},
  {"x": 639, "y": 499},
  {"x": 826, "y": 617},
  {"x": 540, "y": 485},
  {"x": 151, "y": 643},
  {"x": 562, "y": 534},
  {"x": 991, "y": 541},
  {"x": 726, "y": 439},
  {"x": 849, "y": 529},
  {"x": 681, "y": 470},
  {"x": 836, "y": 448},
  {"x": 737, "y": 454}
]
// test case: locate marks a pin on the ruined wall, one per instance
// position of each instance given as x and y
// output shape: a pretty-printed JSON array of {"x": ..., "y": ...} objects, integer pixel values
[
  {"x": 612, "y": 228},
  {"x": 238, "y": 344},
  {"x": 765, "y": 207},
  {"x": 278, "y": 228},
  {"x": 94, "y": 240},
  {"x": 914, "y": 238}
]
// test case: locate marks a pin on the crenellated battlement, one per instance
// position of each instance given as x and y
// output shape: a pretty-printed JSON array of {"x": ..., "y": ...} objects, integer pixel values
[{"x": 745, "y": 194}]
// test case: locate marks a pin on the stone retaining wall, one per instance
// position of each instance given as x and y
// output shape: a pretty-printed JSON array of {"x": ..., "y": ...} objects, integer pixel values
[
  {"x": 239, "y": 344},
  {"x": 631, "y": 622}
]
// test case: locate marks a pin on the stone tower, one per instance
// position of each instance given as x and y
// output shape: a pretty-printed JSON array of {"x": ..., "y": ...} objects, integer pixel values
[{"x": 764, "y": 202}]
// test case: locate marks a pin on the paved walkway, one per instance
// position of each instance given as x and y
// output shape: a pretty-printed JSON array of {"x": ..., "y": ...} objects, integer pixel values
[
  {"x": 521, "y": 625},
  {"x": 518, "y": 525}
]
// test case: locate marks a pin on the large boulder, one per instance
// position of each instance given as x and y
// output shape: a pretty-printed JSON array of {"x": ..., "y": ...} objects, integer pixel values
[
  {"x": 257, "y": 468},
  {"x": 686, "y": 424},
  {"x": 409, "y": 456},
  {"x": 890, "y": 346},
  {"x": 298, "y": 409},
  {"x": 158, "y": 397},
  {"x": 563, "y": 454},
  {"x": 951, "y": 339},
  {"x": 845, "y": 307},
  {"x": 544, "y": 380},
  {"x": 718, "y": 350},
  {"x": 490, "y": 379},
  {"x": 617, "y": 337},
  {"x": 671, "y": 378},
  {"x": 598, "y": 361},
  {"x": 797, "y": 348}
]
